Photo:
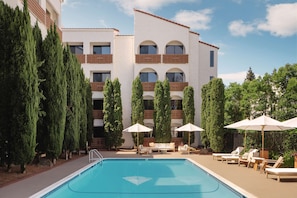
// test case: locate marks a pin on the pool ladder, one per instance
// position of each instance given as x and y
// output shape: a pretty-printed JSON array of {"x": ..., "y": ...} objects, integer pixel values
[{"x": 94, "y": 155}]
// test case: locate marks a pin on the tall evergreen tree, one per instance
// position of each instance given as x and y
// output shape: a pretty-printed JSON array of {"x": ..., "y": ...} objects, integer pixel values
[
  {"x": 166, "y": 126},
  {"x": 159, "y": 111},
  {"x": 250, "y": 75},
  {"x": 54, "y": 88},
  {"x": 162, "y": 115},
  {"x": 71, "y": 136},
  {"x": 204, "y": 135},
  {"x": 216, "y": 115},
  {"x": 188, "y": 112},
  {"x": 7, "y": 79},
  {"x": 137, "y": 107},
  {"x": 108, "y": 111},
  {"x": 89, "y": 109},
  {"x": 25, "y": 96},
  {"x": 118, "y": 115}
]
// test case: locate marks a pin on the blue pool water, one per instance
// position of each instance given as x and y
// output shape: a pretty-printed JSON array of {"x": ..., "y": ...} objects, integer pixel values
[{"x": 143, "y": 178}]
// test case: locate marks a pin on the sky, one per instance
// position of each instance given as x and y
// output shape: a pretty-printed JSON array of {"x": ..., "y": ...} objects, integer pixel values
[{"x": 256, "y": 34}]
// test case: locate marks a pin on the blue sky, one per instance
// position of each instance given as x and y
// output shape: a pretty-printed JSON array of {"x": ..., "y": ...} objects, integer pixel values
[{"x": 261, "y": 34}]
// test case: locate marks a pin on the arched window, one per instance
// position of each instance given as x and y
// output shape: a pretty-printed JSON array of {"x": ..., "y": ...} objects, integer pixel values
[
  {"x": 175, "y": 47},
  {"x": 148, "y": 47},
  {"x": 148, "y": 75}
]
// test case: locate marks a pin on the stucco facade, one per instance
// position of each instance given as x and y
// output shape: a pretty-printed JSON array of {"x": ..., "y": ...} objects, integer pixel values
[{"x": 195, "y": 61}]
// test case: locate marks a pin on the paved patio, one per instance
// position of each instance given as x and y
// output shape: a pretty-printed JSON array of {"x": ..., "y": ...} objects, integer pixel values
[{"x": 246, "y": 178}]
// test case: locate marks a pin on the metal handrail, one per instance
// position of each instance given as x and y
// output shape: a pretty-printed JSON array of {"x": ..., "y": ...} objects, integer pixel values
[{"x": 95, "y": 155}]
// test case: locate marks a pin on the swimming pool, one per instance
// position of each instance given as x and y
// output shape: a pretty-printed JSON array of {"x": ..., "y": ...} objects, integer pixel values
[{"x": 131, "y": 178}]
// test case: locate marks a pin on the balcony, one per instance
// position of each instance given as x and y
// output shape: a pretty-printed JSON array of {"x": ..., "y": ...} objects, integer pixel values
[
  {"x": 175, "y": 58},
  {"x": 97, "y": 86},
  {"x": 81, "y": 58},
  {"x": 176, "y": 114},
  {"x": 148, "y": 58},
  {"x": 148, "y": 114},
  {"x": 97, "y": 114},
  {"x": 99, "y": 58},
  {"x": 148, "y": 86},
  {"x": 178, "y": 86}
]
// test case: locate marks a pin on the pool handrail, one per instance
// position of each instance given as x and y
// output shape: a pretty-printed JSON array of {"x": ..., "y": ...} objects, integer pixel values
[{"x": 94, "y": 155}]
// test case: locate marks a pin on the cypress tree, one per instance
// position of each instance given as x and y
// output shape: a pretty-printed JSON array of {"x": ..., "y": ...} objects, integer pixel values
[
  {"x": 205, "y": 115},
  {"x": 89, "y": 110},
  {"x": 118, "y": 115},
  {"x": 137, "y": 107},
  {"x": 83, "y": 87},
  {"x": 159, "y": 111},
  {"x": 71, "y": 136},
  {"x": 7, "y": 31},
  {"x": 55, "y": 91},
  {"x": 166, "y": 126},
  {"x": 25, "y": 96},
  {"x": 108, "y": 117},
  {"x": 216, "y": 129},
  {"x": 188, "y": 112}
]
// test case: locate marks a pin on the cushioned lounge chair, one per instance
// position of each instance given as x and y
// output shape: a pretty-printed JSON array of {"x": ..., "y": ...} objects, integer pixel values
[
  {"x": 236, "y": 152},
  {"x": 281, "y": 172},
  {"x": 246, "y": 158},
  {"x": 265, "y": 164}
]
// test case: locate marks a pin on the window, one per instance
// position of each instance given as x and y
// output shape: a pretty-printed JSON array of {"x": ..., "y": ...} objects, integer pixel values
[
  {"x": 211, "y": 77},
  {"x": 98, "y": 131},
  {"x": 148, "y": 104},
  {"x": 176, "y": 105},
  {"x": 148, "y": 76},
  {"x": 174, "y": 49},
  {"x": 148, "y": 49},
  {"x": 211, "y": 58},
  {"x": 101, "y": 76},
  {"x": 175, "y": 76},
  {"x": 98, "y": 104},
  {"x": 101, "y": 49},
  {"x": 77, "y": 49}
]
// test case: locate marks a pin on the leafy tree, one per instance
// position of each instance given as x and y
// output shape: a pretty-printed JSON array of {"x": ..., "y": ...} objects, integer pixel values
[
  {"x": 137, "y": 107},
  {"x": 52, "y": 125},
  {"x": 188, "y": 112}
]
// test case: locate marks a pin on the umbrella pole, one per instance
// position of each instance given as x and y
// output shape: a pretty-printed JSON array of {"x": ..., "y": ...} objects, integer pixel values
[
  {"x": 262, "y": 143},
  {"x": 189, "y": 139}
]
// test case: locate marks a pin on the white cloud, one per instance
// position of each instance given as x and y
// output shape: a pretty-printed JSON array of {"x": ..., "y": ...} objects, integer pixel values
[
  {"x": 233, "y": 77},
  {"x": 127, "y": 6},
  {"x": 281, "y": 20},
  {"x": 197, "y": 20},
  {"x": 239, "y": 28},
  {"x": 71, "y": 3}
]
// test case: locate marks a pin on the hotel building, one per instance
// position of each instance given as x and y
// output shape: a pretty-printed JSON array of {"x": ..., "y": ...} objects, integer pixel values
[{"x": 159, "y": 49}]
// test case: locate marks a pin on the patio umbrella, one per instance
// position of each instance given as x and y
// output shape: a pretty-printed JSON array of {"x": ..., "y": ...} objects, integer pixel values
[
  {"x": 238, "y": 125},
  {"x": 189, "y": 128},
  {"x": 291, "y": 122},
  {"x": 264, "y": 123},
  {"x": 137, "y": 128}
]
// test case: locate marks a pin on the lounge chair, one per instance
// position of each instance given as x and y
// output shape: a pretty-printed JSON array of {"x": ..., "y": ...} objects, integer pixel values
[
  {"x": 246, "y": 158},
  {"x": 186, "y": 149},
  {"x": 144, "y": 150},
  {"x": 236, "y": 152},
  {"x": 265, "y": 164},
  {"x": 281, "y": 172}
]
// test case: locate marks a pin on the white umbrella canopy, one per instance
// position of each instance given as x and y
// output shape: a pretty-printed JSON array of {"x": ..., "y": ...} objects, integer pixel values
[
  {"x": 189, "y": 128},
  {"x": 264, "y": 123},
  {"x": 239, "y": 125},
  {"x": 291, "y": 122},
  {"x": 137, "y": 128}
]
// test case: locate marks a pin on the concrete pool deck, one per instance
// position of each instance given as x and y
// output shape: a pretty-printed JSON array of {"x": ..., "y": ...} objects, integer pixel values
[{"x": 246, "y": 178}]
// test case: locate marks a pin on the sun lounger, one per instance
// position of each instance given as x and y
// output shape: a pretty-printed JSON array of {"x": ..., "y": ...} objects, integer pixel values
[
  {"x": 266, "y": 162},
  {"x": 281, "y": 172},
  {"x": 236, "y": 152},
  {"x": 230, "y": 159},
  {"x": 246, "y": 158}
]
